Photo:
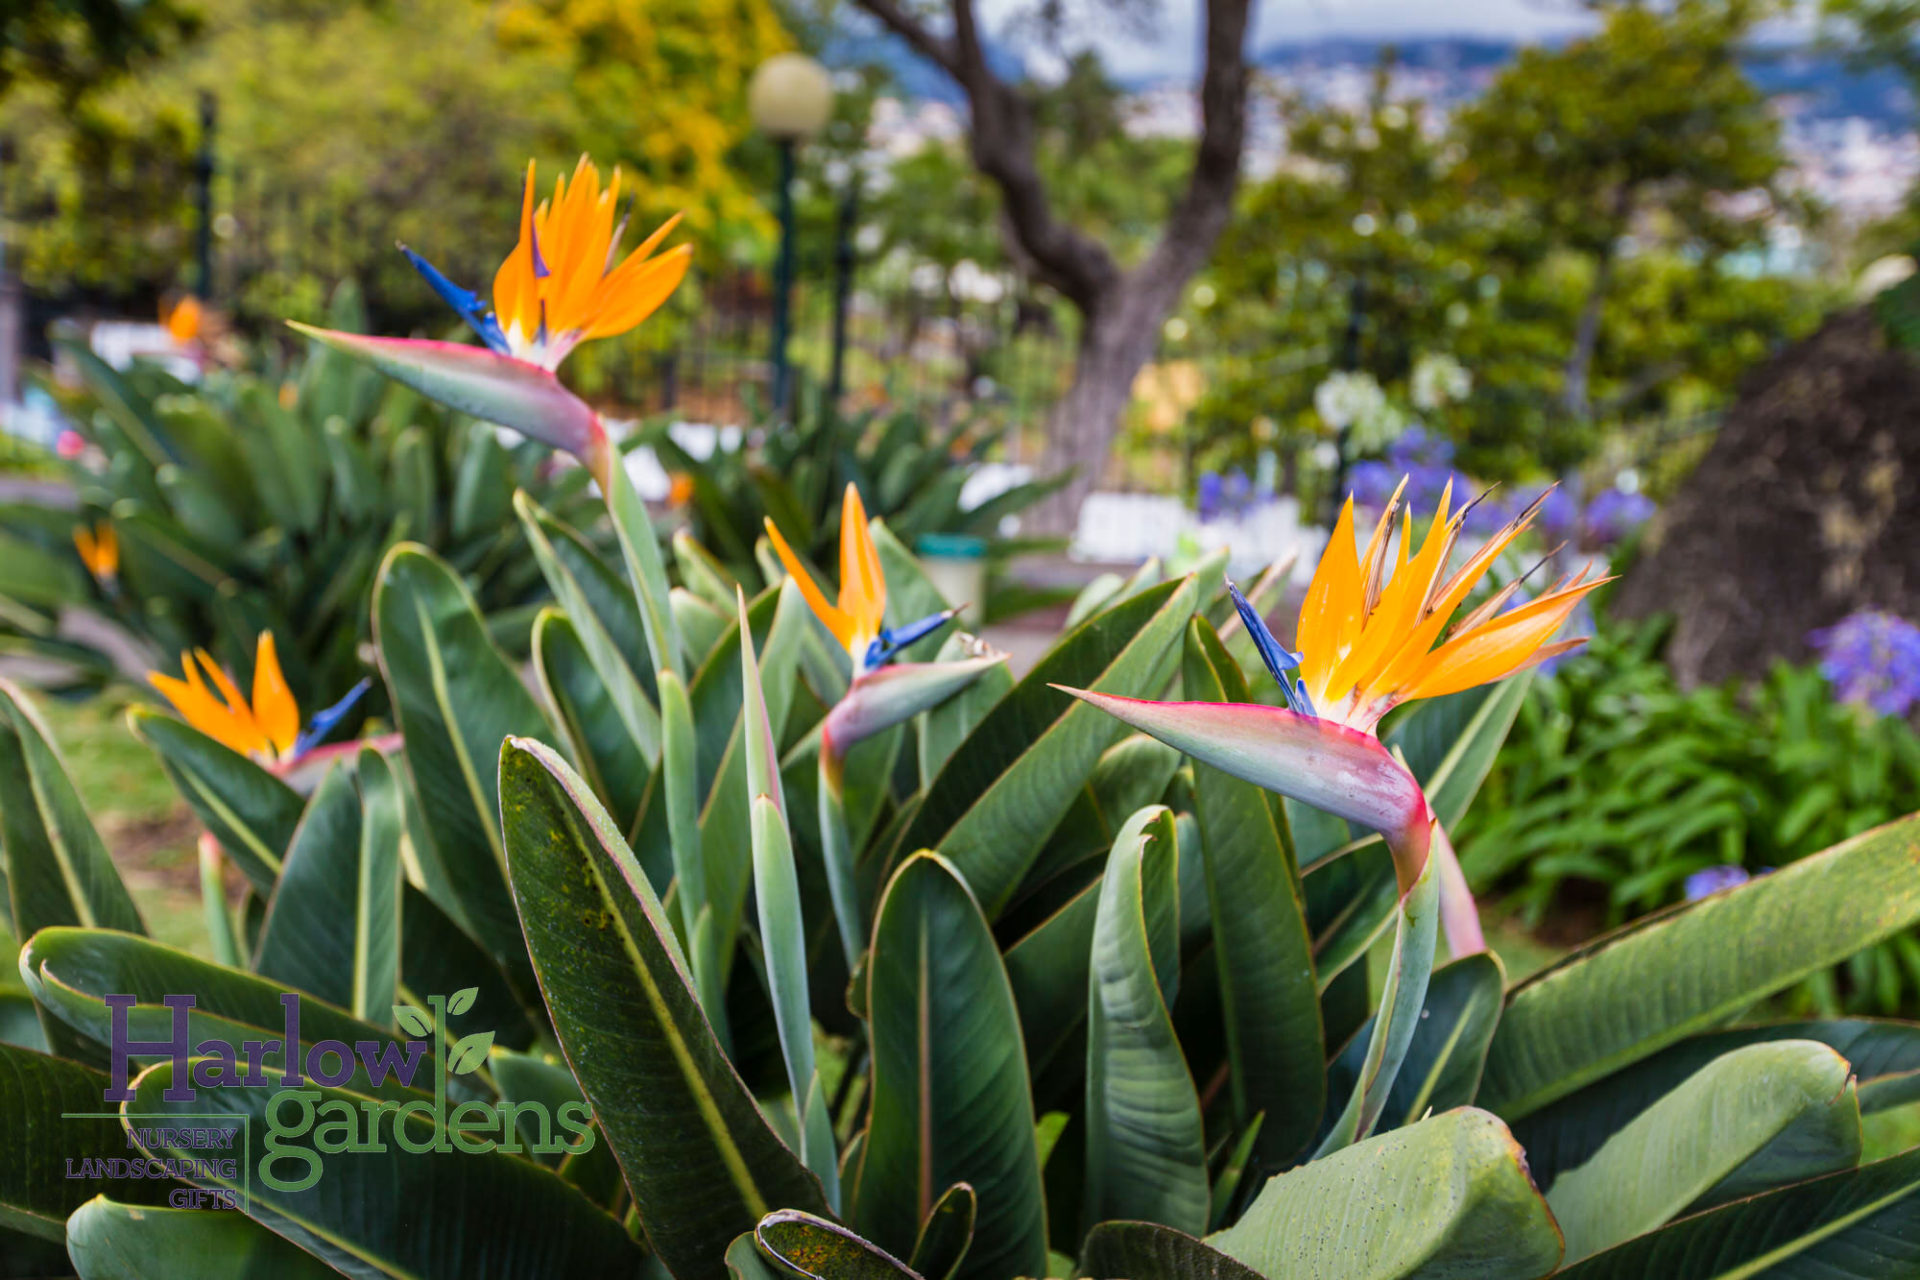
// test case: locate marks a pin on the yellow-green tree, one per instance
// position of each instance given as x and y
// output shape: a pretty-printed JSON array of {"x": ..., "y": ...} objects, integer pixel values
[{"x": 345, "y": 127}]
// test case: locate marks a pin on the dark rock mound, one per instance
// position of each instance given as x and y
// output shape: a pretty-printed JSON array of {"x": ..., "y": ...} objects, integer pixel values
[{"x": 1805, "y": 509}]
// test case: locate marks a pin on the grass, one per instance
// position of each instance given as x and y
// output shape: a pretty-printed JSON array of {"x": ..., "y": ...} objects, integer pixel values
[{"x": 147, "y": 829}]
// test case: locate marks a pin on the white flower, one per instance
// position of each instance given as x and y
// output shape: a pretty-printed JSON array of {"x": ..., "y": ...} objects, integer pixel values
[
  {"x": 1438, "y": 379},
  {"x": 1346, "y": 399}
]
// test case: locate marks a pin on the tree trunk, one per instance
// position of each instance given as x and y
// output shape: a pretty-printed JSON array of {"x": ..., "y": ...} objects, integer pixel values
[{"x": 1119, "y": 334}]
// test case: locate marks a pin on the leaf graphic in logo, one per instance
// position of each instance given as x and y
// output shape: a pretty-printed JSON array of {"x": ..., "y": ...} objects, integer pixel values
[
  {"x": 462, "y": 1000},
  {"x": 469, "y": 1052},
  {"x": 414, "y": 1022}
]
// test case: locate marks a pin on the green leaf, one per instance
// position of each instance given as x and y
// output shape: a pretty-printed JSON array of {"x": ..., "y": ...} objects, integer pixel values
[
  {"x": 1885, "y": 1057},
  {"x": 1146, "y": 1149},
  {"x": 949, "y": 1086},
  {"x": 640, "y": 548},
  {"x": 1857, "y": 1225},
  {"x": 70, "y": 972},
  {"x": 57, "y": 869},
  {"x": 1047, "y": 970},
  {"x": 227, "y": 949},
  {"x": 1450, "y": 743},
  {"x": 455, "y": 697},
  {"x": 413, "y": 1020},
  {"x": 333, "y": 923},
  {"x": 812, "y": 1248},
  {"x": 1144, "y": 1251},
  {"x": 783, "y": 941},
  {"x": 1448, "y": 1196},
  {"x": 1449, "y": 1046},
  {"x": 992, "y": 806},
  {"x": 462, "y": 1000},
  {"x": 249, "y": 811},
  {"x": 591, "y": 596},
  {"x": 38, "y": 1094},
  {"x": 1409, "y": 970},
  {"x": 1789, "y": 1103},
  {"x": 946, "y": 1235},
  {"x": 701, "y": 1162},
  {"x": 364, "y": 1214},
  {"x": 112, "y": 1241},
  {"x": 435, "y": 954},
  {"x": 1613, "y": 1003},
  {"x": 1269, "y": 1001},
  {"x": 597, "y": 740},
  {"x": 946, "y": 726}
]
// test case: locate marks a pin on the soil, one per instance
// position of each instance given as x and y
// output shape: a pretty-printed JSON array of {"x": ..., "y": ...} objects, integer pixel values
[{"x": 1805, "y": 509}]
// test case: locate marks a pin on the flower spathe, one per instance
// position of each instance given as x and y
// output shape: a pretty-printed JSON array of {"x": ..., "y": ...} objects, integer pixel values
[
  {"x": 564, "y": 282},
  {"x": 1371, "y": 625},
  {"x": 99, "y": 549},
  {"x": 267, "y": 726},
  {"x": 858, "y": 619}
]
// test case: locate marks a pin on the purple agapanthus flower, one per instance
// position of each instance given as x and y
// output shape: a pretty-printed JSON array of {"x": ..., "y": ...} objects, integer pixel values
[
  {"x": 1615, "y": 513},
  {"x": 1207, "y": 495},
  {"x": 1873, "y": 659},
  {"x": 1559, "y": 517},
  {"x": 1372, "y": 483},
  {"x": 1712, "y": 880}
]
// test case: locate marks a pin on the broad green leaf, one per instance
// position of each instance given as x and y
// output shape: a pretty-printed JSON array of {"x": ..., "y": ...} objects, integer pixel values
[
  {"x": 58, "y": 871},
  {"x": 699, "y": 1157},
  {"x": 949, "y": 1095},
  {"x": 703, "y": 573},
  {"x": 1613, "y": 1003},
  {"x": 1359, "y": 892},
  {"x": 811, "y": 1248},
  {"x": 1789, "y": 1104},
  {"x": 1409, "y": 969},
  {"x": 701, "y": 625},
  {"x": 946, "y": 1235},
  {"x": 1861, "y": 1224},
  {"x": 1449, "y": 1046},
  {"x": 992, "y": 806},
  {"x": 333, "y": 923},
  {"x": 1448, "y": 1196},
  {"x": 456, "y": 698},
  {"x": 1146, "y": 1147},
  {"x": 437, "y": 955},
  {"x": 38, "y": 1094},
  {"x": 364, "y": 1213},
  {"x": 1269, "y": 999},
  {"x": 599, "y": 742},
  {"x": 1047, "y": 970},
  {"x": 945, "y": 727},
  {"x": 591, "y": 597},
  {"x": 1144, "y": 1251},
  {"x": 1885, "y": 1057},
  {"x": 112, "y": 1241}
]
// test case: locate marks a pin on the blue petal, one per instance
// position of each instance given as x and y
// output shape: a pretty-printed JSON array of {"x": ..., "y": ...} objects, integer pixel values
[
  {"x": 1281, "y": 661},
  {"x": 892, "y": 640},
  {"x": 465, "y": 301},
  {"x": 323, "y": 722}
]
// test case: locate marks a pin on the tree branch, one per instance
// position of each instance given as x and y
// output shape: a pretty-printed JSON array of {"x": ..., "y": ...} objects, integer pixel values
[{"x": 933, "y": 48}]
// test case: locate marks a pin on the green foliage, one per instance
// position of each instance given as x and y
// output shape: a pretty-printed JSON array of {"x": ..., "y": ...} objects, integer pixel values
[
  {"x": 1616, "y": 778},
  {"x": 909, "y": 470},
  {"x": 1609, "y": 1064},
  {"x": 259, "y": 502}
]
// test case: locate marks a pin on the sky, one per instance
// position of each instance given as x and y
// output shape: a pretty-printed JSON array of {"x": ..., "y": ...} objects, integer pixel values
[{"x": 1172, "y": 49}]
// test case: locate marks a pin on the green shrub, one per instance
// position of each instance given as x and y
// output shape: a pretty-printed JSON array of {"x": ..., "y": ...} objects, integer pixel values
[{"x": 1616, "y": 778}]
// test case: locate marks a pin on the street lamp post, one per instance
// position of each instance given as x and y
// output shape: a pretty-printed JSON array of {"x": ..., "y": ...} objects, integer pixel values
[
  {"x": 203, "y": 199},
  {"x": 790, "y": 99}
]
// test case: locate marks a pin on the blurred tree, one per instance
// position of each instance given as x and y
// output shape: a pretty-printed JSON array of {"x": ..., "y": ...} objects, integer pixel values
[
  {"x": 77, "y": 45},
  {"x": 344, "y": 127},
  {"x": 1650, "y": 120},
  {"x": 1121, "y": 305}
]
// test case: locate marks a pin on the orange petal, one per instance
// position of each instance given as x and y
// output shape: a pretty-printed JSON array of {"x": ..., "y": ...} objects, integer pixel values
[
  {"x": 274, "y": 708},
  {"x": 108, "y": 541},
  {"x": 627, "y": 298},
  {"x": 1333, "y": 593},
  {"x": 514, "y": 286},
  {"x": 1497, "y": 648},
  {"x": 89, "y": 552},
  {"x": 837, "y": 622}
]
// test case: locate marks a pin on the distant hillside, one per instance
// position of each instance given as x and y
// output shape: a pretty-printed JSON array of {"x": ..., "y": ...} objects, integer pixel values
[{"x": 1456, "y": 68}]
